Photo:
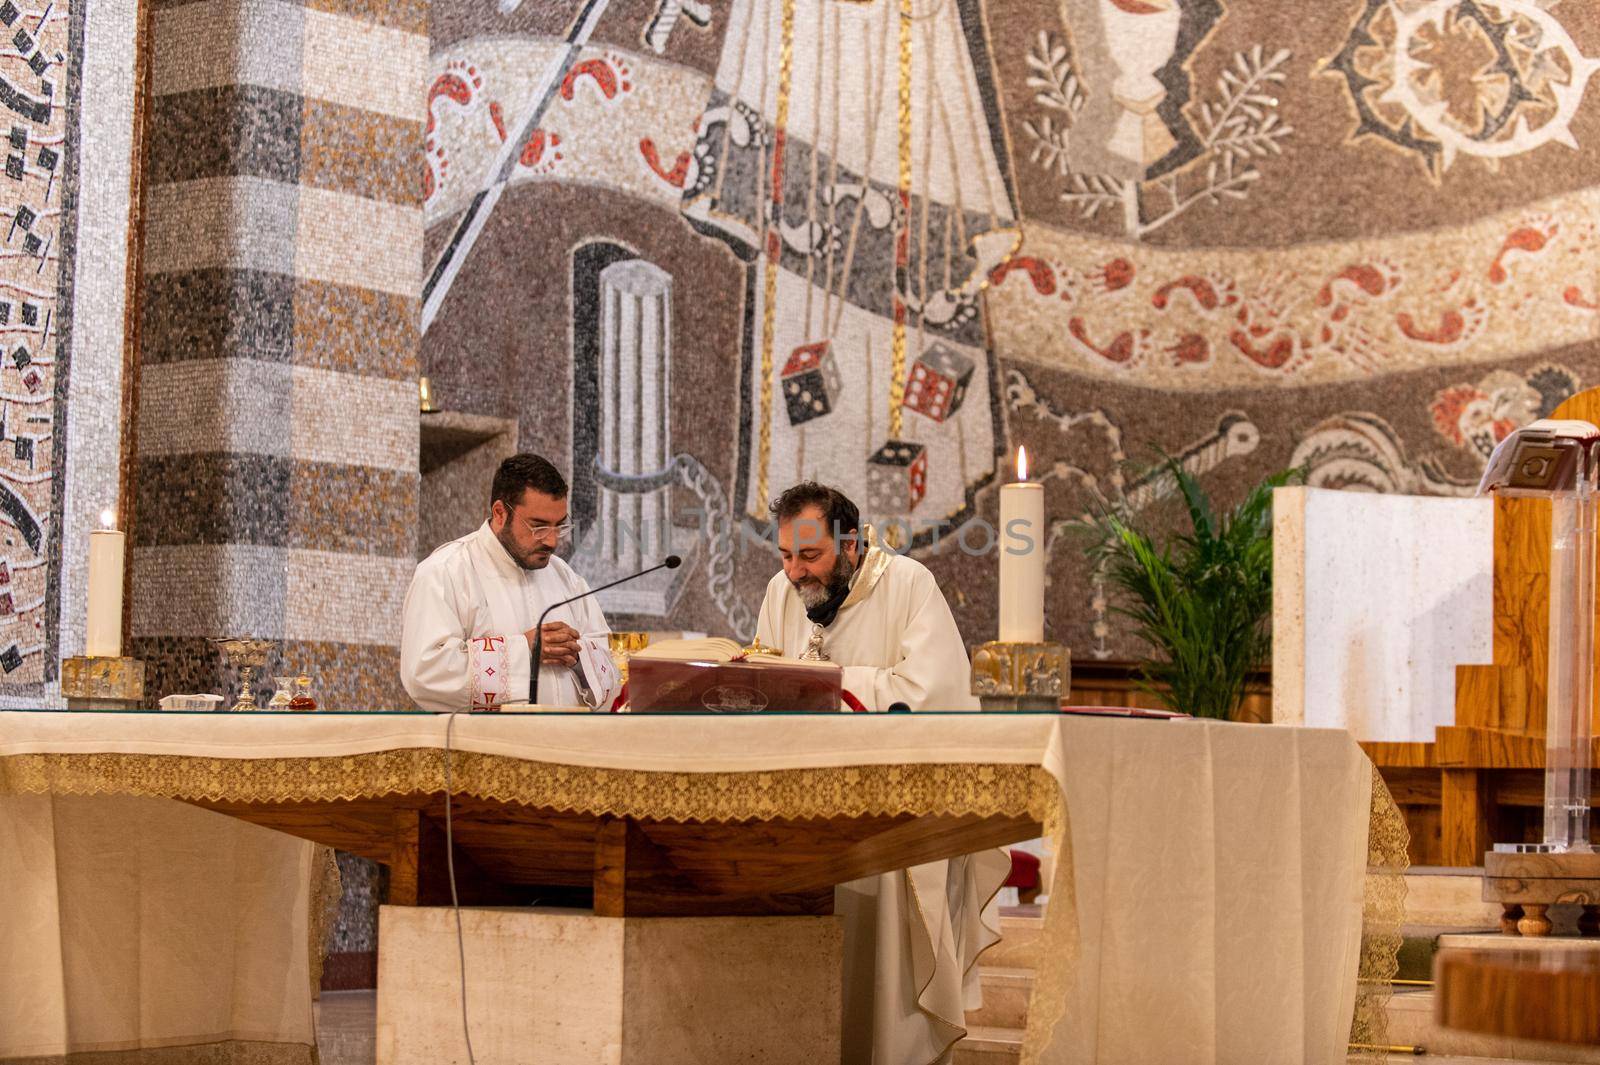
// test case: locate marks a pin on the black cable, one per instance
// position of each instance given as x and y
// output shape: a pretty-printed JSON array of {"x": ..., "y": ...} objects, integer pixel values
[{"x": 455, "y": 900}]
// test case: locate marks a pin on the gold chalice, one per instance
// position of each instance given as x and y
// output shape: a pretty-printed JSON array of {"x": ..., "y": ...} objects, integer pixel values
[{"x": 249, "y": 654}]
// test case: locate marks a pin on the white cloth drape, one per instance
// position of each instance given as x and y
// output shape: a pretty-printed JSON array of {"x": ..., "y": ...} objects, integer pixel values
[
  {"x": 1215, "y": 871},
  {"x": 129, "y": 924}
]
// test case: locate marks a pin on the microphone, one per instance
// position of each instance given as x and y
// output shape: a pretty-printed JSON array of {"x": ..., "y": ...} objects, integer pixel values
[{"x": 670, "y": 562}]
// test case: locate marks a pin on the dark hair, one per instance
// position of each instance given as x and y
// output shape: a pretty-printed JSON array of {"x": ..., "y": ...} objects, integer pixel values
[
  {"x": 840, "y": 515},
  {"x": 523, "y": 471}
]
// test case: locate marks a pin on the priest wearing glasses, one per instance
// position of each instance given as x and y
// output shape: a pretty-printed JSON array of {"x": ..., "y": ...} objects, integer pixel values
[{"x": 472, "y": 606}]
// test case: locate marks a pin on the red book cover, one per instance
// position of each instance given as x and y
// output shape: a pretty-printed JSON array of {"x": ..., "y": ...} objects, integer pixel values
[{"x": 667, "y": 686}]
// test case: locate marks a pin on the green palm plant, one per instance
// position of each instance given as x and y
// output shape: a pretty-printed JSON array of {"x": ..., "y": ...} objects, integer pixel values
[{"x": 1202, "y": 601}]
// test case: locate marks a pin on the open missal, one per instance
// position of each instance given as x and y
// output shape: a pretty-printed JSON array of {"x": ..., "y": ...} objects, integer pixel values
[{"x": 716, "y": 676}]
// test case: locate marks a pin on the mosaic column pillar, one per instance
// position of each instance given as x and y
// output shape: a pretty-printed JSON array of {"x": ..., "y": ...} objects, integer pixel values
[
  {"x": 276, "y": 463},
  {"x": 635, "y": 435}
]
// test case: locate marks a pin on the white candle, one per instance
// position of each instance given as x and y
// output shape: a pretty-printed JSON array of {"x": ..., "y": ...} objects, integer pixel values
[
  {"x": 1021, "y": 542},
  {"x": 104, "y": 635}
]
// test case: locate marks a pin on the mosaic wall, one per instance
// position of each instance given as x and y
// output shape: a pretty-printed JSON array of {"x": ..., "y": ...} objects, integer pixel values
[
  {"x": 891, "y": 242},
  {"x": 39, "y": 59},
  {"x": 277, "y": 422}
]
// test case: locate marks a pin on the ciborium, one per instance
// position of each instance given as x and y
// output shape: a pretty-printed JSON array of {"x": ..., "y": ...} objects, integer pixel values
[{"x": 249, "y": 654}]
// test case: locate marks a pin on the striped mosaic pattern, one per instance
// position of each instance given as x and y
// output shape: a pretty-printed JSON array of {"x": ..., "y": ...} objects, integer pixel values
[{"x": 276, "y": 490}]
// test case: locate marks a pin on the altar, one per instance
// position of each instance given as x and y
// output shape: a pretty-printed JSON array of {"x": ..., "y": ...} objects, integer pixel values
[{"x": 1259, "y": 866}]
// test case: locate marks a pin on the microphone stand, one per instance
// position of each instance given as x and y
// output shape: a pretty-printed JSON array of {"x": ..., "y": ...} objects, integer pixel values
[{"x": 670, "y": 562}]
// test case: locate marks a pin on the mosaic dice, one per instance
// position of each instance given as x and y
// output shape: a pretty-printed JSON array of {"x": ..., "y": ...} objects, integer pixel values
[
  {"x": 938, "y": 382},
  {"x": 897, "y": 477},
  {"x": 810, "y": 382}
]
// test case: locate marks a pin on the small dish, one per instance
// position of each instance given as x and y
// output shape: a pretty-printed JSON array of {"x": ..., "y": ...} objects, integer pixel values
[{"x": 190, "y": 702}]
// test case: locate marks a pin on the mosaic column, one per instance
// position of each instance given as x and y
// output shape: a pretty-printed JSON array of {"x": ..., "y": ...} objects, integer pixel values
[
  {"x": 276, "y": 463},
  {"x": 635, "y": 435}
]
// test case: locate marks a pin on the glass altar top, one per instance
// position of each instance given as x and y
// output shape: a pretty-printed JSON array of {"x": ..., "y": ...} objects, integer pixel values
[{"x": 1110, "y": 711}]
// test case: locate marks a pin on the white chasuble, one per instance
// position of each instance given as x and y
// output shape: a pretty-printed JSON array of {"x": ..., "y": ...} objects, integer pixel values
[
  {"x": 466, "y": 613},
  {"x": 912, "y": 938}
]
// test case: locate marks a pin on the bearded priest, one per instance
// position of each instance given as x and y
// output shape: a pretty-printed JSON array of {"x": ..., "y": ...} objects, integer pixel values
[
  {"x": 911, "y": 937},
  {"x": 468, "y": 634}
]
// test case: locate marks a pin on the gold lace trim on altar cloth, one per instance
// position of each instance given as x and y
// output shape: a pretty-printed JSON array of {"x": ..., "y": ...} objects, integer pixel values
[
  {"x": 230, "y": 1052},
  {"x": 323, "y": 912},
  {"x": 982, "y": 790},
  {"x": 1383, "y": 910}
]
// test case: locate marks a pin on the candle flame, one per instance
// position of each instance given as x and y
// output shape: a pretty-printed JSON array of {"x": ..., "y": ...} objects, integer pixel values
[
  {"x": 108, "y": 519},
  {"x": 1022, "y": 463}
]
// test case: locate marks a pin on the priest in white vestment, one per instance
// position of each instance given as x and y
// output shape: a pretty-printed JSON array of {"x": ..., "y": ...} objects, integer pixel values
[
  {"x": 912, "y": 937},
  {"x": 472, "y": 606}
]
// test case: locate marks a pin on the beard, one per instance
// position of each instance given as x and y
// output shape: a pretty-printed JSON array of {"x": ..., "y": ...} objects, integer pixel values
[
  {"x": 813, "y": 592},
  {"x": 538, "y": 558}
]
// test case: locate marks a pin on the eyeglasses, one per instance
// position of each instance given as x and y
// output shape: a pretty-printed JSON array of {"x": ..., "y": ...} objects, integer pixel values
[{"x": 543, "y": 530}]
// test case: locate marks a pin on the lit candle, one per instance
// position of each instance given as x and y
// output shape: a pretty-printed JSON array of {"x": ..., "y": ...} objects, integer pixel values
[
  {"x": 104, "y": 635},
  {"x": 1021, "y": 541}
]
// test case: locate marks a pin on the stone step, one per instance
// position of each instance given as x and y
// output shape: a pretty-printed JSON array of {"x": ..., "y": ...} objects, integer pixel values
[
  {"x": 346, "y": 1022},
  {"x": 1449, "y": 896},
  {"x": 1005, "y": 997},
  {"x": 1419, "y": 944},
  {"x": 1411, "y": 1023},
  {"x": 989, "y": 1046},
  {"x": 1018, "y": 948}
]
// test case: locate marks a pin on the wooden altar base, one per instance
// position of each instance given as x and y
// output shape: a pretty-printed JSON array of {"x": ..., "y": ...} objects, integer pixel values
[
  {"x": 1527, "y": 885},
  {"x": 746, "y": 967},
  {"x": 511, "y": 854}
]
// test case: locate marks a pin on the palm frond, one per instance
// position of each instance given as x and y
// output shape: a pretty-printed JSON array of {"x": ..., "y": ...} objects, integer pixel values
[{"x": 1202, "y": 600}]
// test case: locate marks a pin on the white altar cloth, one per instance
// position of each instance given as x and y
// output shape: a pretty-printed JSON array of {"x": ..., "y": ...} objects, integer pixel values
[
  {"x": 1207, "y": 903},
  {"x": 142, "y": 925}
]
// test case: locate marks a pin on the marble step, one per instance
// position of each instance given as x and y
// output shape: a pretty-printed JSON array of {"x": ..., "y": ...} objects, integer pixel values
[
  {"x": 346, "y": 1027},
  {"x": 1005, "y": 997},
  {"x": 1449, "y": 897},
  {"x": 1019, "y": 946},
  {"x": 989, "y": 1046}
]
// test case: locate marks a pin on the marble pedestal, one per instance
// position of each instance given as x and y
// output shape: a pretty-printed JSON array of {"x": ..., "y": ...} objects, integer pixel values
[{"x": 561, "y": 986}]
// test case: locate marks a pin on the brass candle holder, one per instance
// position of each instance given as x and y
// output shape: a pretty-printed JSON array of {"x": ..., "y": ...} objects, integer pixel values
[{"x": 1021, "y": 676}]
